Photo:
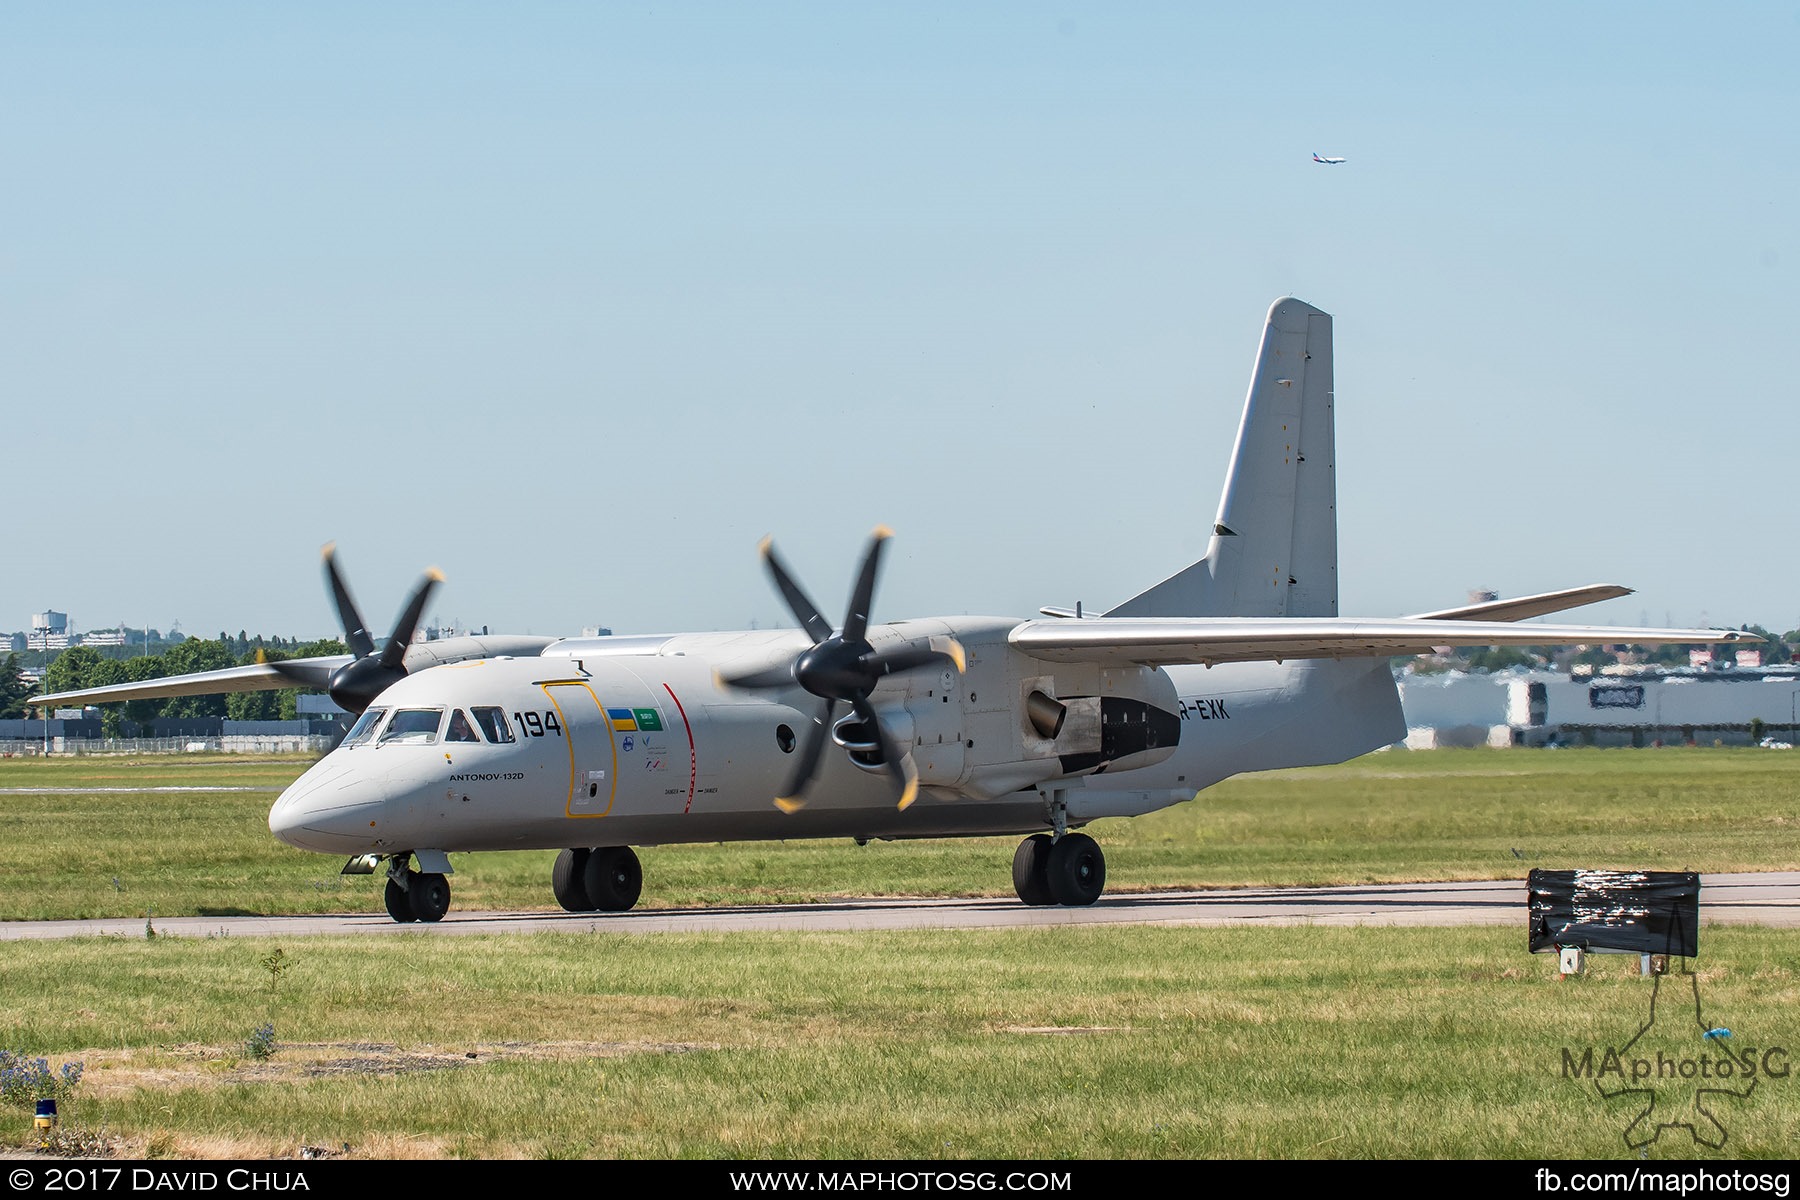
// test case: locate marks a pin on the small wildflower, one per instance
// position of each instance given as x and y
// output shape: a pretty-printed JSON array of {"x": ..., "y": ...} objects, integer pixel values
[{"x": 261, "y": 1043}]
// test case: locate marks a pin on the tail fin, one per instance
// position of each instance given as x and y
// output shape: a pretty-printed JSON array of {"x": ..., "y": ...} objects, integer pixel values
[{"x": 1274, "y": 546}]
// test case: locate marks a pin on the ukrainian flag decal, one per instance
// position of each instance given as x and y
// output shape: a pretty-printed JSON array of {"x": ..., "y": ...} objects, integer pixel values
[{"x": 622, "y": 719}]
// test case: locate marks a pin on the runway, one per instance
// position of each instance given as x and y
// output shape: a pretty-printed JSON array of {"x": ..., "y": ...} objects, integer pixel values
[{"x": 1762, "y": 898}]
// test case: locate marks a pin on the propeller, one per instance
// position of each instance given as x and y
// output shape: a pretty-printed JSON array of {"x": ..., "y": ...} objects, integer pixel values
[
  {"x": 354, "y": 686},
  {"x": 842, "y": 668}
]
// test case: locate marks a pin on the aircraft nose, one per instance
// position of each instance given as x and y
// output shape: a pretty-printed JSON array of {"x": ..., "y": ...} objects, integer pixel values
[{"x": 332, "y": 809}]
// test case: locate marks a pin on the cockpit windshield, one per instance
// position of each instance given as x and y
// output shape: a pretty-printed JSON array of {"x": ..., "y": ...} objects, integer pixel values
[
  {"x": 364, "y": 729},
  {"x": 493, "y": 723},
  {"x": 460, "y": 730},
  {"x": 414, "y": 726}
]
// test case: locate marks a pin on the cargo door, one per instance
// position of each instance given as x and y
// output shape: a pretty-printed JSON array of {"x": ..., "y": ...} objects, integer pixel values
[{"x": 593, "y": 755}]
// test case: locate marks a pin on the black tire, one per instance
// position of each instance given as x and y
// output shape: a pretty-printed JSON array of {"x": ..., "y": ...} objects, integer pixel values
[
  {"x": 613, "y": 878},
  {"x": 1077, "y": 869},
  {"x": 1031, "y": 864},
  {"x": 430, "y": 895},
  {"x": 399, "y": 904},
  {"x": 567, "y": 883}
]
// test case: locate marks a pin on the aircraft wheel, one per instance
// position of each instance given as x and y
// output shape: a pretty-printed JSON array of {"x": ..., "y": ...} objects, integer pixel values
[
  {"x": 613, "y": 878},
  {"x": 567, "y": 883},
  {"x": 399, "y": 904},
  {"x": 430, "y": 895},
  {"x": 1031, "y": 864},
  {"x": 1077, "y": 870}
]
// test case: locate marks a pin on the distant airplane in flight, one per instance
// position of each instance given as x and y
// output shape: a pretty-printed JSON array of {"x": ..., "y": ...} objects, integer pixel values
[{"x": 1317, "y": 159}]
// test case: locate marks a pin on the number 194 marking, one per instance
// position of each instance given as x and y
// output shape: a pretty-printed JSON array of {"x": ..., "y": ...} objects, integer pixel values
[{"x": 535, "y": 725}]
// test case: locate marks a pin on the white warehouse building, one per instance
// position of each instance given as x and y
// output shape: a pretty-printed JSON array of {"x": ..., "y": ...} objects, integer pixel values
[{"x": 1734, "y": 707}]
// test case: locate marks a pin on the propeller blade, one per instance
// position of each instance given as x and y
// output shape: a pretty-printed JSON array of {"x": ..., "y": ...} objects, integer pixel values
[
  {"x": 791, "y": 799},
  {"x": 899, "y": 762},
  {"x": 910, "y": 658},
  {"x": 356, "y": 634},
  {"x": 781, "y": 675},
  {"x": 862, "y": 596},
  {"x": 355, "y": 686},
  {"x": 402, "y": 636},
  {"x": 804, "y": 610},
  {"x": 307, "y": 672}
]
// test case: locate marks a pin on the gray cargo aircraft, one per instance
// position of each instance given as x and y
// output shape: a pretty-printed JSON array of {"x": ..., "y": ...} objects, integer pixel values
[{"x": 943, "y": 726}]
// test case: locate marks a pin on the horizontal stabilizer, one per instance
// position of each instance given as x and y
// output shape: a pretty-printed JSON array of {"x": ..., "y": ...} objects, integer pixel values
[
  {"x": 1520, "y": 607},
  {"x": 1210, "y": 640}
]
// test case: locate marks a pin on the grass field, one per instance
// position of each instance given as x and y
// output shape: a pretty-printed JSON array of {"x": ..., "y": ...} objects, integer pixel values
[
  {"x": 1077, "y": 1042},
  {"x": 1477, "y": 814},
  {"x": 1069, "y": 1042}
]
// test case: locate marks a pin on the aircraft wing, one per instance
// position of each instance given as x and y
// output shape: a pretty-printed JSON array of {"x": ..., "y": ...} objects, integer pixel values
[
  {"x": 1209, "y": 640},
  {"x": 255, "y": 677},
  {"x": 1520, "y": 607}
]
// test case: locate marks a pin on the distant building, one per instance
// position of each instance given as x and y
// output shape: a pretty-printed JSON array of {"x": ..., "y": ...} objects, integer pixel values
[
  {"x": 49, "y": 631},
  {"x": 103, "y": 637},
  {"x": 1617, "y": 708}
]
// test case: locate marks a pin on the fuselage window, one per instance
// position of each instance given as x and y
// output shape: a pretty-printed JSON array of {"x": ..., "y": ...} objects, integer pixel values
[
  {"x": 414, "y": 726},
  {"x": 460, "y": 730},
  {"x": 493, "y": 723},
  {"x": 364, "y": 729}
]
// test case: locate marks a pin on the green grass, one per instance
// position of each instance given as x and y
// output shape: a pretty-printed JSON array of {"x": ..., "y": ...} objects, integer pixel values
[
  {"x": 1077, "y": 1042},
  {"x": 1478, "y": 814}
]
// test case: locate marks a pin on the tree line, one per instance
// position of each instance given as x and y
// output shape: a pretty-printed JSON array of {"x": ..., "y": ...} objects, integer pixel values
[{"x": 82, "y": 667}]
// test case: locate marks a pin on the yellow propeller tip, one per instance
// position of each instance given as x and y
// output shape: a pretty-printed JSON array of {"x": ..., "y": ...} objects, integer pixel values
[
  {"x": 261, "y": 658},
  {"x": 328, "y": 550},
  {"x": 763, "y": 547},
  {"x": 789, "y": 804},
  {"x": 957, "y": 656},
  {"x": 882, "y": 531},
  {"x": 910, "y": 794},
  {"x": 433, "y": 574}
]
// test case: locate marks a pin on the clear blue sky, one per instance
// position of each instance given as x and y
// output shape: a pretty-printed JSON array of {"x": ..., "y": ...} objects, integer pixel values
[{"x": 578, "y": 301}]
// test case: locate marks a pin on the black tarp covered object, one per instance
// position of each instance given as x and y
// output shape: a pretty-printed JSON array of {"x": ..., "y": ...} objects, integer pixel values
[{"x": 1645, "y": 912}]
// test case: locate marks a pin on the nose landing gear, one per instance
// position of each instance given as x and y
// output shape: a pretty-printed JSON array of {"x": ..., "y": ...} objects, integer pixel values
[{"x": 415, "y": 895}]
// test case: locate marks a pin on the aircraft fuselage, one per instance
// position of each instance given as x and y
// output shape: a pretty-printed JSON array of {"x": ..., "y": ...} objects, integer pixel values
[{"x": 630, "y": 741}]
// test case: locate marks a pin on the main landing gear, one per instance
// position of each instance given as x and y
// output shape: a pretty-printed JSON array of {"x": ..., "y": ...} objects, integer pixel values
[
  {"x": 604, "y": 879},
  {"x": 415, "y": 895},
  {"x": 1066, "y": 870}
]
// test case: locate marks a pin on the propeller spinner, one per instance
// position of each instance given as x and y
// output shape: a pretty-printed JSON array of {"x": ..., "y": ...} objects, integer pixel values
[
  {"x": 354, "y": 686},
  {"x": 842, "y": 667}
]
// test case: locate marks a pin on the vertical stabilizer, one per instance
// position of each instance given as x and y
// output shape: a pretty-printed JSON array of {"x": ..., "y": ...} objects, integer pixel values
[{"x": 1273, "y": 551}]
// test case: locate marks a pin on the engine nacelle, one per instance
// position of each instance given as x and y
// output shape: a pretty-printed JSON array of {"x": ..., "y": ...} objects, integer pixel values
[{"x": 1010, "y": 721}]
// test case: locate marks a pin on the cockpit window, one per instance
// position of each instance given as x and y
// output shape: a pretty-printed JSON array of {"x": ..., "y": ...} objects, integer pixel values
[
  {"x": 460, "y": 730},
  {"x": 415, "y": 726},
  {"x": 364, "y": 728},
  {"x": 493, "y": 723}
]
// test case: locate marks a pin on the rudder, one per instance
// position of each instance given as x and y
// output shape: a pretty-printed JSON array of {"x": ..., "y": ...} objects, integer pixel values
[{"x": 1273, "y": 551}]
